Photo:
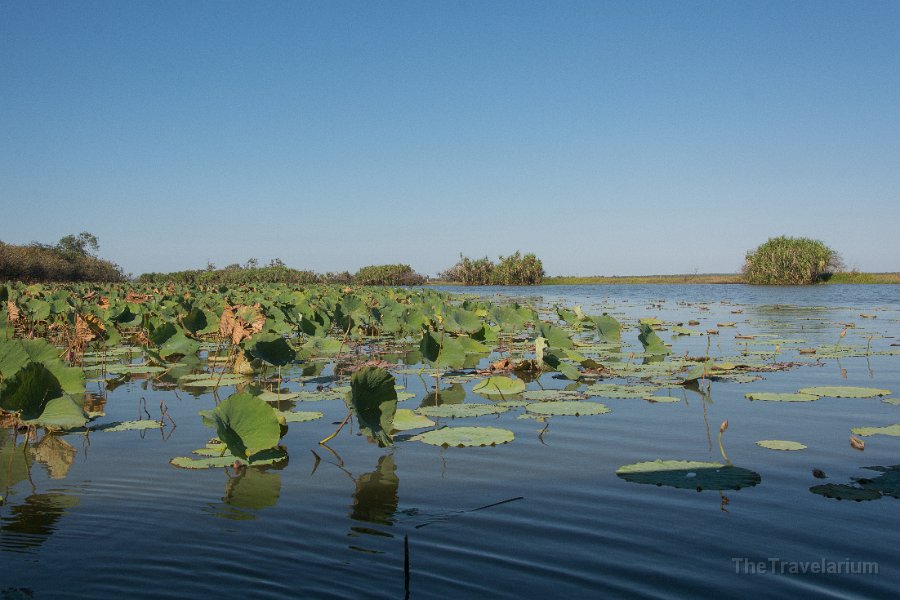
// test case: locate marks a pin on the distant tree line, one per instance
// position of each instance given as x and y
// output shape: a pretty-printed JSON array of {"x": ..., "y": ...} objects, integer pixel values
[
  {"x": 73, "y": 258},
  {"x": 514, "y": 269},
  {"x": 276, "y": 272}
]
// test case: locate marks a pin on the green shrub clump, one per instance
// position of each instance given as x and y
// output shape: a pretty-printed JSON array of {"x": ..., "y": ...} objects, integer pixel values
[
  {"x": 790, "y": 261},
  {"x": 71, "y": 259},
  {"x": 514, "y": 269},
  {"x": 388, "y": 275}
]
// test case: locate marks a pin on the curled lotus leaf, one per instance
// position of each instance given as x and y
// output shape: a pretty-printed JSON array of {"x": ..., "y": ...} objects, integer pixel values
[
  {"x": 271, "y": 348},
  {"x": 458, "y": 411},
  {"x": 374, "y": 400},
  {"x": 567, "y": 407},
  {"x": 465, "y": 436},
  {"x": 778, "y": 397},
  {"x": 781, "y": 445},
  {"x": 845, "y": 391},
  {"x": 689, "y": 475},
  {"x": 246, "y": 424}
]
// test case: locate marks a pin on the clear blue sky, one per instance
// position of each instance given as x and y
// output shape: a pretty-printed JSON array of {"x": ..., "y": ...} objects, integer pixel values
[{"x": 606, "y": 137}]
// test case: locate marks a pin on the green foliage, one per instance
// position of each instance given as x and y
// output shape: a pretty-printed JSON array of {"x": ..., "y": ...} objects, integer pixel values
[
  {"x": 71, "y": 259},
  {"x": 790, "y": 261},
  {"x": 374, "y": 400},
  {"x": 388, "y": 275},
  {"x": 514, "y": 269}
]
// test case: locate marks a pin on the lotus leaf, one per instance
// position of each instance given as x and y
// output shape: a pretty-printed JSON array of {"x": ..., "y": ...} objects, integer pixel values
[
  {"x": 662, "y": 399},
  {"x": 406, "y": 419},
  {"x": 553, "y": 395},
  {"x": 780, "y": 445},
  {"x": 891, "y": 430},
  {"x": 246, "y": 424},
  {"x": 60, "y": 413},
  {"x": 460, "y": 410},
  {"x": 300, "y": 416},
  {"x": 653, "y": 344},
  {"x": 690, "y": 475},
  {"x": 567, "y": 407},
  {"x": 129, "y": 425},
  {"x": 271, "y": 348},
  {"x": 374, "y": 399},
  {"x": 499, "y": 387},
  {"x": 894, "y": 401},
  {"x": 845, "y": 391},
  {"x": 465, "y": 436},
  {"x": 617, "y": 390},
  {"x": 778, "y": 397},
  {"x": 134, "y": 369},
  {"x": 557, "y": 337},
  {"x": 607, "y": 327},
  {"x": 206, "y": 380}
]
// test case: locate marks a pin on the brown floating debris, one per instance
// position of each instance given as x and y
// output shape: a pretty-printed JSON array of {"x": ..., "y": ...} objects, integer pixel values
[{"x": 857, "y": 444}]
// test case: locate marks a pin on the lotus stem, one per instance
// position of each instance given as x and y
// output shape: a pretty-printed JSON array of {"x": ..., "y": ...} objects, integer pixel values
[
  {"x": 722, "y": 429},
  {"x": 337, "y": 431}
]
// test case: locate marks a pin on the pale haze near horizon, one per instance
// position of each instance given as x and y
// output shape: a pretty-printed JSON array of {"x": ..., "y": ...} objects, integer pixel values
[{"x": 607, "y": 138}]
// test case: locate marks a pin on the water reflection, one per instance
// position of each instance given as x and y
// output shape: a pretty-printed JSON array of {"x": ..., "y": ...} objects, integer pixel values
[
  {"x": 375, "y": 498},
  {"x": 27, "y": 523},
  {"x": 247, "y": 491}
]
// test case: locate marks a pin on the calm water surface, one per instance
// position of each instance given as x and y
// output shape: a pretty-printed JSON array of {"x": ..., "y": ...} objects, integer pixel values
[{"x": 543, "y": 517}]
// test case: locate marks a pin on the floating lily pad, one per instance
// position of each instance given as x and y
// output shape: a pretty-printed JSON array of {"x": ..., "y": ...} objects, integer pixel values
[
  {"x": 892, "y": 430},
  {"x": 213, "y": 381},
  {"x": 617, "y": 390},
  {"x": 300, "y": 416},
  {"x": 845, "y": 391},
  {"x": 268, "y": 457},
  {"x": 499, "y": 387},
  {"x": 894, "y": 401},
  {"x": 406, "y": 419},
  {"x": 460, "y": 410},
  {"x": 662, "y": 399},
  {"x": 841, "y": 491},
  {"x": 778, "y": 397},
  {"x": 553, "y": 395},
  {"x": 465, "y": 436},
  {"x": 690, "y": 475},
  {"x": 567, "y": 407},
  {"x": 129, "y": 425},
  {"x": 269, "y": 396},
  {"x": 134, "y": 369},
  {"x": 780, "y": 445}
]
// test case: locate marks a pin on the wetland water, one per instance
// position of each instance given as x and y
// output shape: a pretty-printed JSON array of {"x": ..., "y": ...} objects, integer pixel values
[{"x": 545, "y": 516}]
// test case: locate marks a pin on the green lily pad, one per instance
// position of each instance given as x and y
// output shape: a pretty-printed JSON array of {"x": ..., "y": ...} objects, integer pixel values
[
  {"x": 271, "y": 348},
  {"x": 894, "y": 401},
  {"x": 499, "y": 387},
  {"x": 662, "y": 399},
  {"x": 892, "y": 430},
  {"x": 780, "y": 445},
  {"x": 845, "y": 392},
  {"x": 841, "y": 491},
  {"x": 618, "y": 390},
  {"x": 459, "y": 411},
  {"x": 134, "y": 369},
  {"x": 689, "y": 475},
  {"x": 567, "y": 407},
  {"x": 268, "y": 457},
  {"x": 777, "y": 397},
  {"x": 465, "y": 436},
  {"x": 300, "y": 416},
  {"x": 129, "y": 425},
  {"x": 553, "y": 395},
  {"x": 406, "y": 419},
  {"x": 213, "y": 381}
]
